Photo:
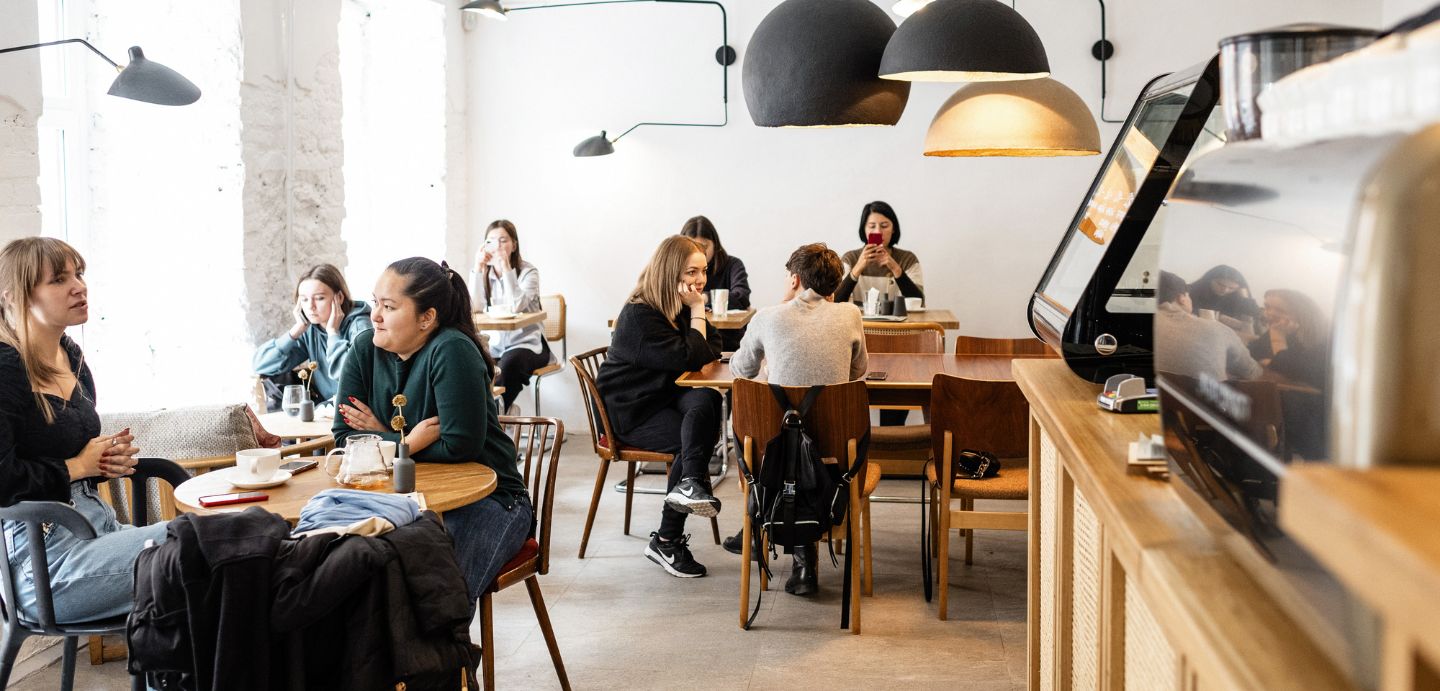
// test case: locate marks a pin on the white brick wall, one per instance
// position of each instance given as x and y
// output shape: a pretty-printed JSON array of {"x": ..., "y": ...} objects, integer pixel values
[{"x": 20, "y": 104}]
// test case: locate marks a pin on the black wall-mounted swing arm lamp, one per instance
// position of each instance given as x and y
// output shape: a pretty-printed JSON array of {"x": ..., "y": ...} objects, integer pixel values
[
  {"x": 601, "y": 145},
  {"x": 1103, "y": 50},
  {"x": 141, "y": 80}
]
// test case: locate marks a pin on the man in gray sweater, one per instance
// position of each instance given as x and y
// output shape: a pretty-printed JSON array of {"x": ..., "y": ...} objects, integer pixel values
[
  {"x": 806, "y": 340},
  {"x": 1194, "y": 347}
]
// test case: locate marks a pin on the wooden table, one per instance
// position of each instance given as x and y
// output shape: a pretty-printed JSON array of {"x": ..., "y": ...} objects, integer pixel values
[
  {"x": 445, "y": 486},
  {"x": 945, "y": 318},
  {"x": 286, "y": 427},
  {"x": 908, "y": 375},
  {"x": 734, "y": 319},
  {"x": 484, "y": 322}
]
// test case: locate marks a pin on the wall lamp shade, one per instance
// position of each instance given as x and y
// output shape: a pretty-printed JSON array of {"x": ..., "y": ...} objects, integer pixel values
[
  {"x": 598, "y": 145},
  {"x": 151, "y": 82},
  {"x": 812, "y": 63},
  {"x": 1032, "y": 117},
  {"x": 491, "y": 9},
  {"x": 965, "y": 41}
]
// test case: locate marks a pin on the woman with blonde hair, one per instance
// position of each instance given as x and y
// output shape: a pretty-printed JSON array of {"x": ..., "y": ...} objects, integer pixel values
[
  {"x": 660, "y": 334},
  {"x": 51, "y": 446}
]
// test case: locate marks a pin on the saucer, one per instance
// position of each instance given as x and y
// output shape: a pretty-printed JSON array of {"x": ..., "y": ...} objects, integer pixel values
[{"x": 279, "y": 478}]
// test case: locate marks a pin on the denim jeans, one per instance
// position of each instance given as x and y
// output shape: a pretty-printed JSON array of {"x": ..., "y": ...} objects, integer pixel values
[
  {"x": 89, "y": 579},
  {"x": 487, "y": 534}
]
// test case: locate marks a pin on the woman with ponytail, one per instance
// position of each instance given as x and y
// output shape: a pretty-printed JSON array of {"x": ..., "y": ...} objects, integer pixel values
[{"x": 424, "y": 346}]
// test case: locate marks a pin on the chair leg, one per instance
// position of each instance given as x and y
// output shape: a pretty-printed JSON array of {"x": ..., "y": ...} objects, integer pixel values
[
  {"x": 535, "y": 394},
  {"x": 865, "y": 550},
  {"x": 855, "y": 565},
  {"x": 487, "y": 641},
  {"x": 629, "y": 492},
  {"x": 969, "y": 505},
  {"x": 594, "y": 504},
  {"x": 943, "y": 556},
  {"x": 715, "y": 528},
  {"x": 67, "y": 664},
  {"x": 137, "y": 682},
  {"x": 532, "y": 584},
  {"x": 746, "y": 549},
  {"x": 10, "y": 642}
]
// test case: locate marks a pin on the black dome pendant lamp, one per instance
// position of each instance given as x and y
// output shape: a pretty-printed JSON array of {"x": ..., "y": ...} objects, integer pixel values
[
  {"x": 813, "y": 63},
  {"x": 965, "y": 41}
]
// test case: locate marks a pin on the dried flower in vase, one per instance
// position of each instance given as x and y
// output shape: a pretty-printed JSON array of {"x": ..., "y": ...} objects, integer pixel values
[
  {"x": 397, "y": 422},
  {"x": 306, "y": 372}
]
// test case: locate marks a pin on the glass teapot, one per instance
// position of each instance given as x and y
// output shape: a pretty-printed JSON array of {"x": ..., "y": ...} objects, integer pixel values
[{"x": 360, "y": 464}]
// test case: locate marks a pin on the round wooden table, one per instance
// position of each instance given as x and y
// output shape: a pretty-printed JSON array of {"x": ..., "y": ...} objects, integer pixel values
[
  {"x": 445, "y": 486},
  {"x": 287, "y": 427}
]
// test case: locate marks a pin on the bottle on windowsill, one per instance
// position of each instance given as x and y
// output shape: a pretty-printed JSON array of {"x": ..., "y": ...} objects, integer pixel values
[{"x": 404, "y": 470}]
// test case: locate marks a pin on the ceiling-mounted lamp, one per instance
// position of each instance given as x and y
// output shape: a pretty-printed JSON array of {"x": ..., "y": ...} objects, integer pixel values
[
  {"x": 965, "y": 41},
  {"x": 813, "y": 63},
  {"x": 905, "y": 8},
  {"x": 1031, "y": 117},
  {"x": 599, "y": 145},
  {"x": 141, "y": 80}
]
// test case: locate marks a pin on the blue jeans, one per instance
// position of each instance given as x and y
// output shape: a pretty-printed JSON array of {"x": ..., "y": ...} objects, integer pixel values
[
  {"x": 487, "y": 534},
  {"x": 89, "y": 579}
]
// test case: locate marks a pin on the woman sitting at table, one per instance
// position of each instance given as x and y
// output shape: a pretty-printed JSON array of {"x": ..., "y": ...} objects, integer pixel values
[
  {"x": 502, "y": 279},
  {"x": 51, "y": 446},
  {"x": 722, "y": 272},
  {"x": 1224, "y": 290},
  {"x": 662, "y": 333},
  {"x": 327, "y": 321},
  {"x": 424, "y": 346}
]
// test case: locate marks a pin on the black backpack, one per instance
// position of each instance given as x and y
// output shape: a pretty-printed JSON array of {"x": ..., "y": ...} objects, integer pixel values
[{"x": 798, "y": 498}]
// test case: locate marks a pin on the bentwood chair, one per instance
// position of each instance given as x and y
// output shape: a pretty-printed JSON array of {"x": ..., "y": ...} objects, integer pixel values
[
  {"x": 988, "y": 416},
  {"x": 838, "y": 421},
  {"x": 539, "y": 467},
  {"x": 554, "y": 330},
  {"x": 902, "y": 449},
  {"x": 602, "y": 438},
  {"x": 62, "y": 516}
]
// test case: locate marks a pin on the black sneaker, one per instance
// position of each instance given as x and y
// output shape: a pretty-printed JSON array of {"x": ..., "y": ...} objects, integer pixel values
[
  {"x": 692, "y": 495},
  {"x": 674, "y": 557}
]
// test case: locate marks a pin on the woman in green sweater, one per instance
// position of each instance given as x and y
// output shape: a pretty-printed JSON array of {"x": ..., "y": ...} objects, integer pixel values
[{"x": 424, "y": 345}]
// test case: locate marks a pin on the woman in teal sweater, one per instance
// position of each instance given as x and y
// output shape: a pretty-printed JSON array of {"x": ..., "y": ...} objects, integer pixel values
[
  {"x": 424, "y": 345},
  {"x": 327, "y": 321}
]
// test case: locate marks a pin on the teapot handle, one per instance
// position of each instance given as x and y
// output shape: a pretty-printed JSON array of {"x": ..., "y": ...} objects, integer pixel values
[{"x": 325, "y": 464}]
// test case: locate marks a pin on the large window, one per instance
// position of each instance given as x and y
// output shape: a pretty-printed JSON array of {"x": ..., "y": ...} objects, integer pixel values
[{"x": 62, "y": 132}]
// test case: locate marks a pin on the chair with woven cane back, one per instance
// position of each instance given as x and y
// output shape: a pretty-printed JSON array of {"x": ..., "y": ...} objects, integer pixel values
[
  {"x": 539, "y": 463},
  {"x": 902, "y": 449},
  {"x": 837, "y": 422},
  {"x": 554, "y": 330},
  {"x": 990, "y": 416},
  {"x": 602, "y": 438}
]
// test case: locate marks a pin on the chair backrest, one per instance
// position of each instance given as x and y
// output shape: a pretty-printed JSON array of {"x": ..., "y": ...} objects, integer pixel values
[
  {"x": 976, "y": 345},
  {"x": 554, "y": 324},
  {"x": 904, "y": 337},
  {"x": 587, "y": 369},
  {"x": 538, "y": 439},
  {"x": 982, "y": 415},
  {"x": 840, "y": 414}
]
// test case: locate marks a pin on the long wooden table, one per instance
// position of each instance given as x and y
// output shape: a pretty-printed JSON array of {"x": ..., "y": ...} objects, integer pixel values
[
  {"x": 445, "y": 486},
  {"x": 734, "y": 319},
  {"x": 485, "y": 322},
  {"x": 945, "y": 318}
]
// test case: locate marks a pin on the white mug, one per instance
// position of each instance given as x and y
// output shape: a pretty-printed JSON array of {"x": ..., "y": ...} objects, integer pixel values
[
  {"x": 913, "y": 304},
  {"x": 257, "y": 465},
  {"x": 720, "y": 301},
  {"x": 387, "y": 451}
]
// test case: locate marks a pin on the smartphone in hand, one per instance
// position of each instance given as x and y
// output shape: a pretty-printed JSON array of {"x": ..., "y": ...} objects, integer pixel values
[{"x": 874, "y": 238}]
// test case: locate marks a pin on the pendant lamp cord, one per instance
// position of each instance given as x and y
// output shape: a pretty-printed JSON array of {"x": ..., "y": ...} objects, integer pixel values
[
  {"x": 724, "y": 42},
  {"x": 1104, "y": 57}
]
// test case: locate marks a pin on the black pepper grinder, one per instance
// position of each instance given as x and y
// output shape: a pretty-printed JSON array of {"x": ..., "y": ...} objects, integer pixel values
[{"x": 404, "y": 471}]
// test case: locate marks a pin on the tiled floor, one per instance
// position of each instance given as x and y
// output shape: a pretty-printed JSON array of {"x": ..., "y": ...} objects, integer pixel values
[{"x": 623, "y": 623}]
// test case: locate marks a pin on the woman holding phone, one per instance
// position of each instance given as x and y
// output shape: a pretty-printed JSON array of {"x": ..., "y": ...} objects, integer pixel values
[
  {"x": 424, "y": 346},
  {"x": 880, "y": 264},
  {"x": 51, "y": 445},
  {"x": 660, "y": 334},
  {"x": 504, "y": 281},
  {"x": 327, "y": 321},
  {"x": 723, "y": 271}
]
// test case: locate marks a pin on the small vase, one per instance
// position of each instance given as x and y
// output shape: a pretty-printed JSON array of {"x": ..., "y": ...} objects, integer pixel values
[
  {"x": 307, "y": 411},
  {"x": 403, "y": 472}
]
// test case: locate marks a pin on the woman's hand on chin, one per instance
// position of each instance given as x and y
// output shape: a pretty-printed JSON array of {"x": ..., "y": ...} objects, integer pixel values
[
  {"x": 424, "y": 434},
  {"x": 360, "y": 418}
]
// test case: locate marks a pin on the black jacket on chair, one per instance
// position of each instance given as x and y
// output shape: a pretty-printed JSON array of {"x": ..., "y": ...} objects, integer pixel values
[{"x": 229, "y": 601}]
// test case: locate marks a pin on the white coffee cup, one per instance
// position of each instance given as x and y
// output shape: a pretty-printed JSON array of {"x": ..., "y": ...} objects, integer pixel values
[
  {"x": 256, "y": 465},
  {"x": 720, "y": 301},
  {"x": 499, "y": 311},
  {"x": 912, "y": 304},
  {"x": 387, "y": 451}
]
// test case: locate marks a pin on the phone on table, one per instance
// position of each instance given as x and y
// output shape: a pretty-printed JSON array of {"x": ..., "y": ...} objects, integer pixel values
[
  {"x": 232, "y": 498},
  {"x": 875, "y": 376},
  {"x": 874, "y": 238},
  {"x": 297, "y": 467}
]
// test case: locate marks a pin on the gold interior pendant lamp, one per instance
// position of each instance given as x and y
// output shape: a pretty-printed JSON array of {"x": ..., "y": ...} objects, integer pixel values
[{"x": 1031, "y": 117}]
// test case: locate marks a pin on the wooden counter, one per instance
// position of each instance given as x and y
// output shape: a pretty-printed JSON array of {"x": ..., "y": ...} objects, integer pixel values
[
  {"x": 1376, "y": 531},
  {"x": 1128, "y": 587}
]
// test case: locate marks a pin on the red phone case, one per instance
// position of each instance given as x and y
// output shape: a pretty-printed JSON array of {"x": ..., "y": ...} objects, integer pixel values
[
  {"x": 873, "y": 239},
  {"x": 232, "y": 498}
]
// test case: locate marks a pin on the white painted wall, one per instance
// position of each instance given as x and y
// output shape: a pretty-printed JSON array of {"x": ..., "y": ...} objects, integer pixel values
[
  {"x": 983, "y": 228},
  {"x": 20, "y": 103},
  {"x": 1393, "y": 11}
]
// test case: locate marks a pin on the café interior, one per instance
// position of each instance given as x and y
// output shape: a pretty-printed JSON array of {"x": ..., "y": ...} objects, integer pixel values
[{"x": 1158, "y": 412}]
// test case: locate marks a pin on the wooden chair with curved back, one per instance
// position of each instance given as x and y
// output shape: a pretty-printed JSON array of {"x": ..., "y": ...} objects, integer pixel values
[
  {"x": 904, "y": 337},
  {"x": 902, "y": 449},
  {"x": 988, "y": 416},
  {"x": 538, "y": 465},
  {"x": 554, "y": 330},
  {"x": 602, "y": 438},
  {"x": 977, "y": 345},
  {"x": 837, "y": 422}
]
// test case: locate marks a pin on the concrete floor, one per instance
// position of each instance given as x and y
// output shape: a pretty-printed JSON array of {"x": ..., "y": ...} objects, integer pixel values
[{"x": 623, "y": 623}]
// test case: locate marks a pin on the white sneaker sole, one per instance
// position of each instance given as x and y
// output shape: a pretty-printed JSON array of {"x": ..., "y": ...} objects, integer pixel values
[
  {"x": 654, "y": 556},
  {"x": 698, "y": 507}
]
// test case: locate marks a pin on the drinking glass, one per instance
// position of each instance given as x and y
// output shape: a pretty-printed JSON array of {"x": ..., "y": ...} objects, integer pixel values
[{"x": 294, "y": 394}]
